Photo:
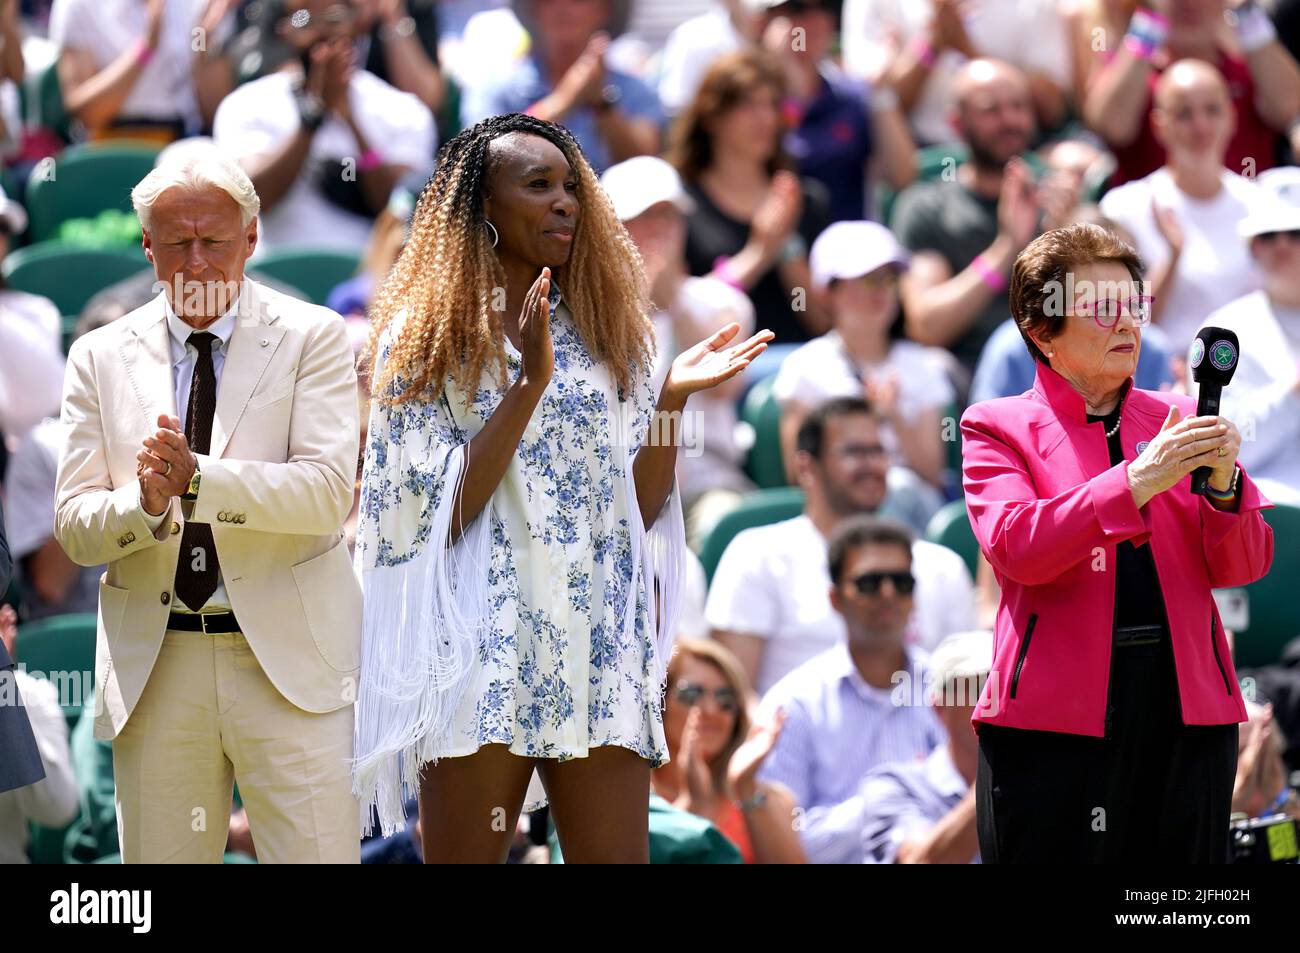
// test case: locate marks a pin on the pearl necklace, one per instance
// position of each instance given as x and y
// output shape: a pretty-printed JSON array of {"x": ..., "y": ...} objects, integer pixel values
[{"x": 1111, "y": 432}]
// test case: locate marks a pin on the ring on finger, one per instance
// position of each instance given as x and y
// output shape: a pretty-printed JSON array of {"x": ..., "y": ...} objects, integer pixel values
[
  {"x": 1223, "y": 451},
  {"x": 168, "y": 465}
]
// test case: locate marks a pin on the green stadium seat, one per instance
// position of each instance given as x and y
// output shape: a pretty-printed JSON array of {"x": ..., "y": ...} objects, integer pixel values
[
  {"x": 84, "y": 181},
  {"x": 761, "y": 411},
  {"x": 45, "y": 844},
  {"x": 1274, "y": 610},
  {"x": 951, "y": 527},
  {"x": 43, "y": 101},
  {"x": 61, "y": 648},
  {"x": 69, "y": 276},
  {"x": 758, "y": 509},
  {"x": 316, "y": 272}
]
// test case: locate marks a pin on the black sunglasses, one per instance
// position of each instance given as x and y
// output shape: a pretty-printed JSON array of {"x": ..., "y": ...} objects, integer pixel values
[
  {"x": 1293, "y": 234},
  {"x": 689, "y": 694},
  {"x": 868, "y": 584}
]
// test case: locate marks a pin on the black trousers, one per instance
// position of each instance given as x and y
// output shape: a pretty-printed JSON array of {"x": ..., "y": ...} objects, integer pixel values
[{"x": 1156, "y": 790}]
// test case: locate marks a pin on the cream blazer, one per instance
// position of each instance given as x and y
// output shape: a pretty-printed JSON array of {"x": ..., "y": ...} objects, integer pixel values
[{"x": 276, "y": 489}]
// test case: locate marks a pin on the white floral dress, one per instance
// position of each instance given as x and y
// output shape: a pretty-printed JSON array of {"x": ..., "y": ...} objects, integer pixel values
[{"x": 536, "y": 629}]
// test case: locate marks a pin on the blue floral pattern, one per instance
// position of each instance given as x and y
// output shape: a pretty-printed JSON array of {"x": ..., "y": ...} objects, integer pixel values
[{"x": 555, "y": 676}]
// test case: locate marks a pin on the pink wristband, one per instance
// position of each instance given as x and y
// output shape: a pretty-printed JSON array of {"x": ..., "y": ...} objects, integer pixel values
[
  {"x": 995, "y": 280},
  {"x": 722, "y": 271},
  {"x": 370, "y": 160},
  {"x": 923, "y": 51},
  {"x": 143, "y": 52},
  {"x": 1140, "y": 48}
]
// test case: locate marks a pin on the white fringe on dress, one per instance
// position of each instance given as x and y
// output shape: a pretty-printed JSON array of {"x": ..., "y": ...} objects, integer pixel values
[{"x": 423, "y": 620}]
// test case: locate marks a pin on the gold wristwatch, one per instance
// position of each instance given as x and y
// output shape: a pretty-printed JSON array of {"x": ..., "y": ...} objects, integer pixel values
[{"x": 192, "y": 491}]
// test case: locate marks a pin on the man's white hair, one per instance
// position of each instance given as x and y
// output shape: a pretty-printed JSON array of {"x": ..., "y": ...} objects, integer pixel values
[{"x": 195, "y": 165}]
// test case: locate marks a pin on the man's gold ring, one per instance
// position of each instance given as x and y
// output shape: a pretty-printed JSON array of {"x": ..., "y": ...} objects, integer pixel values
[
  {"x": 1223, "y": 451},
  {"x": 169, "y": 464}
]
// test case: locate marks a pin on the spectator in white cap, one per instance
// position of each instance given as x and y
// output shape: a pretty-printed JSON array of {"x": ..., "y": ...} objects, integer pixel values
[
  {"x": 923, "y": 812},
  {"x": 855, "y": 266},
  {"x": 650, "y": 201},
  {"x": 31, "y": 356},
  {"x": 1265, "y": 394}
]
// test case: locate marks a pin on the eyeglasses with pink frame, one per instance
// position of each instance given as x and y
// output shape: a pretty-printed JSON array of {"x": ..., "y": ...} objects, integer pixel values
[{"x": 1107, "y": 311}]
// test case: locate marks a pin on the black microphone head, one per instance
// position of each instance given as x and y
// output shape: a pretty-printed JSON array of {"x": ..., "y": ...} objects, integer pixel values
[{"x": 1214, "y": 356}]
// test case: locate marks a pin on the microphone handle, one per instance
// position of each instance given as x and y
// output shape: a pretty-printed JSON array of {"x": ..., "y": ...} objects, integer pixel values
[{"x": 1207, "y": 405}]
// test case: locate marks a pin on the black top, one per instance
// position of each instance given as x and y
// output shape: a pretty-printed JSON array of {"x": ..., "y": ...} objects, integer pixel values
[
  {"x": 712, "y": 233},
  {"x": 1138, "y": 599}
]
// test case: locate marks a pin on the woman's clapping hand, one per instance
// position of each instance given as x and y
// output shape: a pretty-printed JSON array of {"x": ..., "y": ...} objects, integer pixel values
[{"x": 1182, "y": 445}]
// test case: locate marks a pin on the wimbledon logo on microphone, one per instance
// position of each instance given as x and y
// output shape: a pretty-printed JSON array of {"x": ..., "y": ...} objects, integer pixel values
[{"x": 1224, "y": 355}]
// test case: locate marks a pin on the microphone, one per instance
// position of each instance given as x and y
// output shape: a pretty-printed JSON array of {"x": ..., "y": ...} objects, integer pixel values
[{"x": 1214, "y": 361}]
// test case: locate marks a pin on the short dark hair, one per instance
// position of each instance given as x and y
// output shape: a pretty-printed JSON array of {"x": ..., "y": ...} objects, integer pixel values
[
  {"x": 1042, "y": 266},
  {"x": 812, "y": 432},
  {"x": 858, "y": 531}
]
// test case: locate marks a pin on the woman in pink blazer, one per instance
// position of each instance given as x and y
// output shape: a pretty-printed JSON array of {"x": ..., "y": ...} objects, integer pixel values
[{"x": 1108, "y": 725}]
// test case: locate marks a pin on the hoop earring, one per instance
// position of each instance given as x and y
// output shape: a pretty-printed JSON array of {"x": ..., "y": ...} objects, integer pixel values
[{"x": 496, "y": 237}]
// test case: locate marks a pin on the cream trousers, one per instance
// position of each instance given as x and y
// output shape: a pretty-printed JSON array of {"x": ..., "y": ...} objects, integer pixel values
[{"x": 209, "y": 718}]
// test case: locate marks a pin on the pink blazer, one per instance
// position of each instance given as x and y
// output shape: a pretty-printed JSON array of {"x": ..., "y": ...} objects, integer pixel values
[{"x": 1048, "y": 510}]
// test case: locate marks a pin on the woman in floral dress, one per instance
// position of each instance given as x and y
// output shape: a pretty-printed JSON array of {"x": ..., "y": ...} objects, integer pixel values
[{"x": 520, "y": 539}]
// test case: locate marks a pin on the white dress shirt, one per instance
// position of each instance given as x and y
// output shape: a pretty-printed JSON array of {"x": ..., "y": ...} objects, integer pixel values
[
  {"x": 184, "y": 355},
  {"x": 837, "y": 729}
]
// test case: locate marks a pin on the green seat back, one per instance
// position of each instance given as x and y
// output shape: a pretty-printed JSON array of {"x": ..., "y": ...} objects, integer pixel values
[
  {"x": 1274, "y": 609},
  {"x": 67, "y": 275},
  {"x": 757, "y": 509},
  {"x": 61, "y": 648},
  {"x": 761, "y": 411},
  {"x": 84, "y": 181},
  {"x": 315, "y": 272},
  {"x": 951, "y": 527}
]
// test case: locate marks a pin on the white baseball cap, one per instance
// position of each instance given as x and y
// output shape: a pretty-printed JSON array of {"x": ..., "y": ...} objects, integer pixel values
[
  {"x": 1280, "y": 211},
  {"x": 635, "y": 185},
  {"x": 853, "y": 249}
]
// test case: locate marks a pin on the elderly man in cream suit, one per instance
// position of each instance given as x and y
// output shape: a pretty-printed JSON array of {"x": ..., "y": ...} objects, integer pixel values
[{"x": 210, "y": 462}]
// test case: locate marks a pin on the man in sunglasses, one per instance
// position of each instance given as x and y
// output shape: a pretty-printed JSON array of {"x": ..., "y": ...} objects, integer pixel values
[
  {"x": 859, "y": 704},
  {"x": 1265, "y": 391}
]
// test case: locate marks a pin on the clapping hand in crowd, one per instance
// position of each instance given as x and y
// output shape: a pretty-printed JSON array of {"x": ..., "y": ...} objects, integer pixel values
[
  {"x": 699, "y": 793},
  {"x": 743, "y": 768},
  {"x": 1018, "y": 204},
  {"x": 777, "y": 216},
  {"x": 583, "y": 82}
]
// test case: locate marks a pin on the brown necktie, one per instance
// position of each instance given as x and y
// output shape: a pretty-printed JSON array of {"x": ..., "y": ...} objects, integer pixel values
[{"x": 197, "y": 569}]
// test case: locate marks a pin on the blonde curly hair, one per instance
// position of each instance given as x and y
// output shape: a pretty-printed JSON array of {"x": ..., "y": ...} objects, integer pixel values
[{"x": 446, "y": 277}]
